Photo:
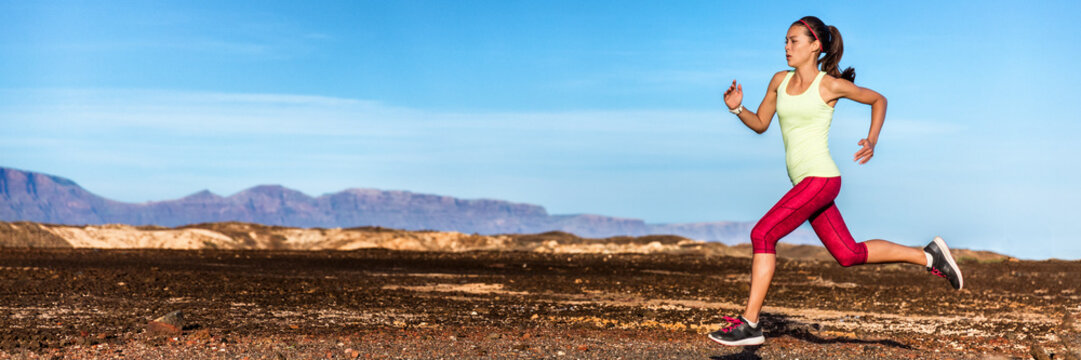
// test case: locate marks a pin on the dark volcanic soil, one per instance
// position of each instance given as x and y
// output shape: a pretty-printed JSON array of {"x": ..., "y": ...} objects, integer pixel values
[{"x": 394, "y": 304}]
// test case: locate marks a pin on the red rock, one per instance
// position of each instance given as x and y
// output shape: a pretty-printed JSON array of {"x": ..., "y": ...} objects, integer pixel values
[{"x": 171, "y": 323}]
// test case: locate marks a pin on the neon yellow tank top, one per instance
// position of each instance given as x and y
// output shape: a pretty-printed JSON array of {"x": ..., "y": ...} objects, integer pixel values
[{"x": 805, "y": 126}]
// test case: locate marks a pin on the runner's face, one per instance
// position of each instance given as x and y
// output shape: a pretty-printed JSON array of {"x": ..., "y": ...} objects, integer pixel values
[{"x": 799, "y": 47}]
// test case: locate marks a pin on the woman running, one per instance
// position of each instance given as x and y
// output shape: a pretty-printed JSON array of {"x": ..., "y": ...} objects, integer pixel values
[{"x": 803, "y": 99}]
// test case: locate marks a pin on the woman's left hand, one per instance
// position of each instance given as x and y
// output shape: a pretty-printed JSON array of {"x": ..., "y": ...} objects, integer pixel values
[{"x": 864, "y": 155}]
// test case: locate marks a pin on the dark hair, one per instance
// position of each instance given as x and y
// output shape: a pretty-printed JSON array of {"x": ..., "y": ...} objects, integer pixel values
[{"x": 834, "y": 47}]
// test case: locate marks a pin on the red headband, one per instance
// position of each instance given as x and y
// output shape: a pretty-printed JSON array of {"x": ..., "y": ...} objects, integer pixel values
[{"x": 815, "y": 35}]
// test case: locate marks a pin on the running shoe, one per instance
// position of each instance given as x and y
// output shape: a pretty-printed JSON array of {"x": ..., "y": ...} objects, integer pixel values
[
  {"x": 942, "y": 263},
  {"x": 738, "y": 333}
]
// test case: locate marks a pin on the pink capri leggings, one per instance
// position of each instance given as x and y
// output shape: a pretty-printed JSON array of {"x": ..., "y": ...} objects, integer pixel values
[{"x": 811, "y": 199}]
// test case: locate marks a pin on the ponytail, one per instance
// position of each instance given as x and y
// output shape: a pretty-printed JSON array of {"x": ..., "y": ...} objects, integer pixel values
[
  {"x": 832, "y": 47},
  {"x": 836, "y": 48}
]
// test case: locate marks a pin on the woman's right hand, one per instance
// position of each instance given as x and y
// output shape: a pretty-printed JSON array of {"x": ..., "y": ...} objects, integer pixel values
[{"x": 734, "y": 96}]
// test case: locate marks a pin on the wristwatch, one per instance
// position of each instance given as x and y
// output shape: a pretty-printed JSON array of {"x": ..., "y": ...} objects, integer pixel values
[{"x": 737, "y": 110}]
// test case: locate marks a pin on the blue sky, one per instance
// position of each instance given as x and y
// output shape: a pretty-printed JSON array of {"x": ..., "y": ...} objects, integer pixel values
[{"x": 582, "y": 107}]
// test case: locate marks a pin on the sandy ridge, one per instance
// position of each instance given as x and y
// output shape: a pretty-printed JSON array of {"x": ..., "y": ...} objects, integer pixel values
[{"x": 246, "y": 236}]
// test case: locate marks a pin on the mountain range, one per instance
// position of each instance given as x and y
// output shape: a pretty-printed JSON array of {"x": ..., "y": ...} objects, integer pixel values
[{"x": 44, "y": 198}]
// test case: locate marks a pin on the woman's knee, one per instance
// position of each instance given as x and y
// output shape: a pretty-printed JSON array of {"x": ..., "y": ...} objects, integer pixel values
[
  {"x": 848, "y": 260},
  {"x": 847, "y": 257},
  {"x": 761, "y": 241}
]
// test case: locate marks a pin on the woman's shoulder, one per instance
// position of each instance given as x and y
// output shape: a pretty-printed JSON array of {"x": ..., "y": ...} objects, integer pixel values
[
  {"x": 778, "y": 77},
  {"x": 831, "y": 82}
]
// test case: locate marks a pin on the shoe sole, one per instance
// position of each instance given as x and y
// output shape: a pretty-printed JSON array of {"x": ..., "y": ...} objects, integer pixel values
[
  {"x": 949, "y": 259},
  {"x": 757, "y": 340}
]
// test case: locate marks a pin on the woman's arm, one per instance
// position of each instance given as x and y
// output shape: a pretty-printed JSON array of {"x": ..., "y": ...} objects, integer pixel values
[
  {"x": 840, "y": 88},
  {"x": 757, "y": 121}
]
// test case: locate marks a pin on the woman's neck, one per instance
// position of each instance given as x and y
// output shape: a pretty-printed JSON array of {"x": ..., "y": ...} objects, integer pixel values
[{"x": 806, "y": 73}]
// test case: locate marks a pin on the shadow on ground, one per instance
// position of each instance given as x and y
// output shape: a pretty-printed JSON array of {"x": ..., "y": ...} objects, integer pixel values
[
  {"x": 749, "y": 353},
  {"x": 779, "y": 325}
]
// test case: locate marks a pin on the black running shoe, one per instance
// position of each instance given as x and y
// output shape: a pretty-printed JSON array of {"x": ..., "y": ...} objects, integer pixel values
[
  {"x": 739, "y": 333},
  {"x": 942, "y": 263}
]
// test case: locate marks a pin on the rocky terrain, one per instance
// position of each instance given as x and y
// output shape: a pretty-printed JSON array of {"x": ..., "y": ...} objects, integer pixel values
[
  {"x": 44, "y": 198},
  {"x": 265, "y": 292},
  {"x": 386, "y": 304}
]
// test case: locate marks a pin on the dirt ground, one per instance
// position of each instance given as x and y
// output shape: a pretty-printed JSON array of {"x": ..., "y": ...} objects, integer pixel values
[{"x": 382, "y": 304}]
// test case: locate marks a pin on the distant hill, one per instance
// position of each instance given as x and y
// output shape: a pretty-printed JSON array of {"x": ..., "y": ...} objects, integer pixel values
[
  {"x": 43, "y": 198},
  {"x": 244, "y": 236}
]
